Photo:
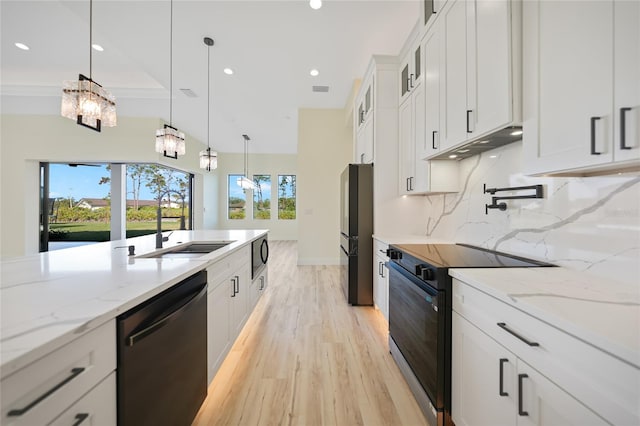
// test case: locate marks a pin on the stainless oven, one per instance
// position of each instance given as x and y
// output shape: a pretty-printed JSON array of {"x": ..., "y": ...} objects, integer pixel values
[{"x": 259, "y": 255}]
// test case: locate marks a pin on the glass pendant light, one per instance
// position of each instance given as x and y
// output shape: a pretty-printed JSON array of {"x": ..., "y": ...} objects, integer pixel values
[
  {"x": 169, "y": 140},
  {"x": 208, "y": 158},
  {"x": 86, "y": 101},
  {"x": 244, "y": 182}
]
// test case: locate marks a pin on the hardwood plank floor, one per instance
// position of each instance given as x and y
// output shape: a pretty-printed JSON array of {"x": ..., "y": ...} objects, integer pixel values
[{"x": 305, "y": 357}]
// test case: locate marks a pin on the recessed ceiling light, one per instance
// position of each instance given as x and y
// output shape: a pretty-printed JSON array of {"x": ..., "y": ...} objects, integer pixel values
[
  {"x": 516, "y": 133},
  {"x": 97, "y": 47},
  {"x": 453, "y": 156},
  {"x": 22, "y": 46},
  {"x": 228, "y": 71},
  {"x": 314, "y": 72},
  {"x": 315, "y": 4}
]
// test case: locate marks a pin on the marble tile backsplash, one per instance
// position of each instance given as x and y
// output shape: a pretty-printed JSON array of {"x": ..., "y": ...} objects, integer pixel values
[{"x": 590, "y": 224}]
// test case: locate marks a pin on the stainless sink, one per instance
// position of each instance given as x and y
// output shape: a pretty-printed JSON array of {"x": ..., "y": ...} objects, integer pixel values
[{"x": 193, "y": 250}]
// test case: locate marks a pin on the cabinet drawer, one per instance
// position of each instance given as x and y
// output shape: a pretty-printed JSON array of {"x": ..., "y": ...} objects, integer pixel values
[
  {"x": 380, "y": 248},
  {"x": 38, "y": 393},
  {"x": 608, "y": 386},
  {"x": 220, "y": 270},
  {"x": 96, "y": 408}
]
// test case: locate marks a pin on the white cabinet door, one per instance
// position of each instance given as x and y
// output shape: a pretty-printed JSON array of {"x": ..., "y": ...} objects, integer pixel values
[
  {"x": 421, "y": 181},
  {"x": 568, "y": 63},
  {"x": 381, "y": 285},
  {"x": 432, "y": 70},
  {"x": 543, "y": 403},
  {"x": 97, "y": 407},
  {"x": 489, "y": 65},
  {"x": 481, "y": 395},
  {"x": 406, "y": 147},
  {"x": 454, "y": 104},
  {"x": 240, "y": 304},
  {"x": 218, "y": 325},
  {"x": 365, "y": 140},
  {"x": 627, "y": 81}
]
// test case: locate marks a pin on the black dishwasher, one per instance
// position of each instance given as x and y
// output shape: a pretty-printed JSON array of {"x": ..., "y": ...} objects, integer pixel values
[{"x": 162, "y": 356}]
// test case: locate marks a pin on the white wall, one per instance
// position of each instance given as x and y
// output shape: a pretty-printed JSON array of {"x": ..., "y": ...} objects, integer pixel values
[
  {"x": 325, "y": 147},
  {"x": 25, "y": 140},
  {"x": 589, "y": 223},
  {"x": 259, "y": 164}
]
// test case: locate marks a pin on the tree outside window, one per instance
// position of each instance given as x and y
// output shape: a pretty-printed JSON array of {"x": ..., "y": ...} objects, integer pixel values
[
  {"x": 262, "y": 197},
  {"x": 237, "y": 200},
  {"x": 286, "y": 197}
]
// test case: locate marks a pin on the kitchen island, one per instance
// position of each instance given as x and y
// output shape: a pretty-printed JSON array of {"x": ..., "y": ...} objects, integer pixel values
[{"x": 51, "y": 301}]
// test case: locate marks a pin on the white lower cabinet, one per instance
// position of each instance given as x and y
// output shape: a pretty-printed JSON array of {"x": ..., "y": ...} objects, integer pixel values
[
  {"x": 258, "y": 286},
  {"x": 381, "y": 278},
  {"x": 42, "y": 391},
  {"x": 96, "y": 408},
  {"x": 493, "y": 387},
  {"x": 230, "y": 300}
]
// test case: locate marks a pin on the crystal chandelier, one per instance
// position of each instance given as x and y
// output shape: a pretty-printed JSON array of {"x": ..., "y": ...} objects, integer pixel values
[
  {"x": 244, "y": 182},
  {"x": 85, "y": 100},
  {"x": 208, "y": 158},
  {"x": 169, "y": 140}
]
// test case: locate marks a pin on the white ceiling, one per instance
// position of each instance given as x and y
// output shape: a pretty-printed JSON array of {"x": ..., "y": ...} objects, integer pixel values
[{"x": 271, "y": 46}]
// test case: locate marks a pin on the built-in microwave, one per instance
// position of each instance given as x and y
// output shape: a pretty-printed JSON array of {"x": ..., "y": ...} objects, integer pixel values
[{"x": 259, "y": 255}]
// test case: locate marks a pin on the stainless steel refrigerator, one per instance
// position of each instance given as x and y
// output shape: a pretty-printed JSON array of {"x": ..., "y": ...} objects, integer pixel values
[{"x": 356, "y": 231}]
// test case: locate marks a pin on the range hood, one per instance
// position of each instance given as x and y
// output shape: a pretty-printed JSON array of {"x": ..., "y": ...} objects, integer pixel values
[{"x": 494, "y": 140}]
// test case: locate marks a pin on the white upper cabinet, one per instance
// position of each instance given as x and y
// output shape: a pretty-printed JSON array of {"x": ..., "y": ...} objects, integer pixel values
[
  {"x": 582, "y": 87},
  {"x": 411, "y": 71},
  {"x": 363, "y": 122},
  {"x": 432, "y": 90},
  {"x": 478, "y": 46}
]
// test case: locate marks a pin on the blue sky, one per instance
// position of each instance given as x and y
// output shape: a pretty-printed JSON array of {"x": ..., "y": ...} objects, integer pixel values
[{"x": 82, "y": 182}]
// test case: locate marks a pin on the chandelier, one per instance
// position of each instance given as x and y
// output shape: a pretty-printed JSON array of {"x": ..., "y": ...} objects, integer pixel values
[
  {"x": 208, "y": 158},
  {"x": 86, "y": 101},
  {"x": 169, "y": 140}
]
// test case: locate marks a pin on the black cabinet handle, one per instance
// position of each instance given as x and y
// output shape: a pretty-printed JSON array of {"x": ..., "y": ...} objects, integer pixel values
[
  {"x": 469, "y": 111},
  {"x": 433, "y": 139},
  {"x": 20, "y": 411},
  {"x": 236, "y": 282},
  {"x": 501, "y": 390},
  {"x": 408, "y": 185},
  {"x": 508, "y": 330},
  {"x": 80, "y": 418},
  {"x": 410, "y": 81},
  {"x": 623, "y": 128},
  {"x": 233, "y": 280},
  {"x": 411, "y": 183},
  {"x": 594, "y": 120},
  {"x": 520, "y": 410}
]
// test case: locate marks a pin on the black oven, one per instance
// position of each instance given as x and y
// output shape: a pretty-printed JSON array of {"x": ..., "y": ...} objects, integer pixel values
[
  {"x": 420, "y": 315},
  {"x": 259, "y": 255}
]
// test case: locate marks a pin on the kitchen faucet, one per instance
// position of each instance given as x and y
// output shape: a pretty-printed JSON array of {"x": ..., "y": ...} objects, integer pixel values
[{"x": 159, "y": 237}]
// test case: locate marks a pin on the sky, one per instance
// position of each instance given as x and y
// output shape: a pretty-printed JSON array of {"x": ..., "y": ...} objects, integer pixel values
[{"x": 82, "y": 182}]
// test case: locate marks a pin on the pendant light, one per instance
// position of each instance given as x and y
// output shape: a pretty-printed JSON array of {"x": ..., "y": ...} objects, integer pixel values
[
  {"x": 244, "y": 182},
  {"x": 208, "y": 158},
  {"x": 85, "y": 100},
  {"x": 169, "y": 140}
]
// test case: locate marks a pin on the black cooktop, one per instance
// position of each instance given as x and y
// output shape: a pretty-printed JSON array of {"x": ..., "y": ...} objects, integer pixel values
[{"x": 464, "y": 256}]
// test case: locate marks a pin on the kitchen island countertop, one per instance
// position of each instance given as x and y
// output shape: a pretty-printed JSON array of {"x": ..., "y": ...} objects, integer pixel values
[{"x": 49, "y": 299}]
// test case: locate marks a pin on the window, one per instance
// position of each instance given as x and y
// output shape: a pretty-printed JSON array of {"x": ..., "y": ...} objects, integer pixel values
[
  {"x": 262, "y": 197},
  {"x": 286, "y": 197},
  {"x": 237, "y": 198}
]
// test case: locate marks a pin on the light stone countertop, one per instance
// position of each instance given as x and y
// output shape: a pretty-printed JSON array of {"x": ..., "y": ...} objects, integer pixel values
[
  {"x": 409, "y": 239},
  {"x": 603, "y": 313},
  {"x": 48, "y": 299}
]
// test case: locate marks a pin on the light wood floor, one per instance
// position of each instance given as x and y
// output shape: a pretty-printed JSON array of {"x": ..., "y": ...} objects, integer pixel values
[{"x": 305, "y": 357}]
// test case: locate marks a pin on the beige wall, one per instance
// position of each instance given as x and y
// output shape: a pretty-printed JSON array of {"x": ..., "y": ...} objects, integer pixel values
[
  {"x": 325, "y": 147},
  {"x": 25, "y": 140},
  {"x": 259, "y": 164}
]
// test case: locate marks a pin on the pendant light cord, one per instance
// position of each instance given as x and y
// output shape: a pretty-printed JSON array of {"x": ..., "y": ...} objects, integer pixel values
[
  {"x": 208, "y": 96},
  {"x": 91, "y": 40},
  {"x": 171, "y": 65}
]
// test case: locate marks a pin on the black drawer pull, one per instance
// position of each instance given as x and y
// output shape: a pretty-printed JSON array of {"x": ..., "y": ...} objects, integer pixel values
[
  {"x": 520, "y": 410},
  {"x": 508, "y": 330},
  {"x": 80, "y": 418},
  {"x": 20, "y": 411},
  {"x": 501, "y": 390},
  {"x": 433, "y": 139},
  {"x": 469, "y": 111}
]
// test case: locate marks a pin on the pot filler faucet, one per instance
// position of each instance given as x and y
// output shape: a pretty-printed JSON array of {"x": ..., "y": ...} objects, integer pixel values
[{"x": 159, "y": 238}]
